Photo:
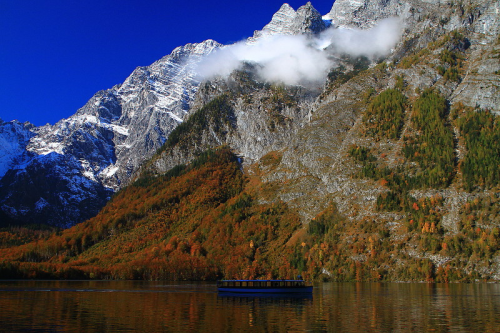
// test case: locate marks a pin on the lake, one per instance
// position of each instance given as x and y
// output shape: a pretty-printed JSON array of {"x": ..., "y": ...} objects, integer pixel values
[{"x": 139, "y": 306}]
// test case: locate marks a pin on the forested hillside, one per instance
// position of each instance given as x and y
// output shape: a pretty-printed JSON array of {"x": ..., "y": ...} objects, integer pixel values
[{"x": 195, "y": 222}]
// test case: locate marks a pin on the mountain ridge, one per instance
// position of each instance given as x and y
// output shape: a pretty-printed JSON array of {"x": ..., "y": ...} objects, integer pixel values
[{"x": 105, "y": 140}]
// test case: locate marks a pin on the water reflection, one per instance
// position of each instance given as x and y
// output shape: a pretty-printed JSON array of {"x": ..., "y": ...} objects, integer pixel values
[
  {"x": 265, "y": 296},
  {"x": 105, "y": 306}
]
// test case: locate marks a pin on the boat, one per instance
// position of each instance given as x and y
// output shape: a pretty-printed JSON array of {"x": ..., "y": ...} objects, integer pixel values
[{"x": 264, "y": 286}]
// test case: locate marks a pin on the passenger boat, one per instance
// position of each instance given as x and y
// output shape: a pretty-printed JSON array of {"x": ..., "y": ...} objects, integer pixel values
[{"x": 264, "y": 286}]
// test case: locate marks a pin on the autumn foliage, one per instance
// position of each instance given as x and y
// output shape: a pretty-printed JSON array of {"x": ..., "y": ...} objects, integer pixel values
[{"x": 194, "y": 223}]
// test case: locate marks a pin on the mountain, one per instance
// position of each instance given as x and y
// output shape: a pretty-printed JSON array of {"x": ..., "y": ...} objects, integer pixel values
[
  {"x": 73, "y": 167},
  {"x": 387, "y": 171}
]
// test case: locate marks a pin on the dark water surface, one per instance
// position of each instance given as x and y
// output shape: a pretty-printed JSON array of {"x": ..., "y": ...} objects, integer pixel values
[{"x": 131, "y": 306}]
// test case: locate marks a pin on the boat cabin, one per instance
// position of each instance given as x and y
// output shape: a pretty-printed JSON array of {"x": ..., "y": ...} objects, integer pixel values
[{"x": 261, "y": 284}]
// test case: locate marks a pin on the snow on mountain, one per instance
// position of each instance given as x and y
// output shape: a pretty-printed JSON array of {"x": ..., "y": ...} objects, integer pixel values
[
  {"x": 64, "y": 173},
  {"x": 14, "y": 137}
]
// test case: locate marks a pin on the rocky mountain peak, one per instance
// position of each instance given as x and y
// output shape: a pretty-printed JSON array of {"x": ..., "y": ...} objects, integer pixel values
[
  {"x": 281, "y": 22},
  {"x": 287, "y": 21},
  {"x": 417, "y": 14},
  {"x": 308, "y": 20}
]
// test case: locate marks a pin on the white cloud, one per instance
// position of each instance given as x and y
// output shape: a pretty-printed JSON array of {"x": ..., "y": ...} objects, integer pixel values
[
  {"x": 374, "y": 42},
  {"x": 301, "y": 59}
]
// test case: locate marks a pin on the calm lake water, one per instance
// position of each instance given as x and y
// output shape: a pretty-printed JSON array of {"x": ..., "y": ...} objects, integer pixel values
[{"x": 132, "y": 306}]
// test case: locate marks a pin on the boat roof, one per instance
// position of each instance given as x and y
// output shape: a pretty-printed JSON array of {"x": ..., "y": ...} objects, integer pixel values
[{"x": 264, "y": 280}]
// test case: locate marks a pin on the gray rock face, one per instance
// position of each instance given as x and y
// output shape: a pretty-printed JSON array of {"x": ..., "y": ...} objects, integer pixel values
[
  {"x": 262, "y": 118},
  {"x": 308, "y": 20},
  {"x": 481, "y": 16},
  {"x": 280, "y": 23},
  {"x": 480, "y": 19},
  {"x": 156, "y": 100}
]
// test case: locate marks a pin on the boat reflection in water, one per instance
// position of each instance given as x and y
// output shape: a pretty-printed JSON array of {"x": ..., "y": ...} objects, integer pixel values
[{"x": 265, "y": 288}]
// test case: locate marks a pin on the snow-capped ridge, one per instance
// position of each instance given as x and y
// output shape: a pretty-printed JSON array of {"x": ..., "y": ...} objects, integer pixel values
[{"x": 93, "y": 152}]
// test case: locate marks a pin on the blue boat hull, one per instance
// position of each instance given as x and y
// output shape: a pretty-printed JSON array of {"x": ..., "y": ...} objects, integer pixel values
[{"x": 271, "y": 290}]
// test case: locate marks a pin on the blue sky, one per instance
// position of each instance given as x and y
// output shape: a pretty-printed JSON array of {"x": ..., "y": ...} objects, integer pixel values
[{"x": 55, "y": 54}]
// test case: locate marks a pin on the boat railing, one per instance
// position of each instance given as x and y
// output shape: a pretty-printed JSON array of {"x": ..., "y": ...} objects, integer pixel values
[{"x": 261, "y": 283}]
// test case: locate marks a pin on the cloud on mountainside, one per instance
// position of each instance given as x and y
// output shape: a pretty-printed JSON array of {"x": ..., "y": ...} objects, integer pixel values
[{"x": 300, "y": 59}]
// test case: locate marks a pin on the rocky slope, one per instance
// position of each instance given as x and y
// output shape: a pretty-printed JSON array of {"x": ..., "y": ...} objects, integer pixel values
[
  {"x": 14, "y": 137},
  {"x": 307, "y": 123},
  {"x": 422, "y": 19}
]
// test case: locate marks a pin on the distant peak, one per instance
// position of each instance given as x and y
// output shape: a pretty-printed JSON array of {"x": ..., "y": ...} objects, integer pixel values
[
  {"x": 308, "y": 10},
  {"x": 280, "y": 23},
  {"x": 308, "y": 20},
  {"x": 285, "y": 7},
  {"x": 287, "y": 21}
]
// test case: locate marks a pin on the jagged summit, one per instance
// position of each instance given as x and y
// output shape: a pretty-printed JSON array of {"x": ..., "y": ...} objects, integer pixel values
[
  {"x": 281, "y": 21},
  {"x": 308, "y": 20},
  {"x": 287, "y": 21}
]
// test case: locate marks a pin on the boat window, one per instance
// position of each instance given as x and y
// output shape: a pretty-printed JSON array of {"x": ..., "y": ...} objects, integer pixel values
[
  {"x": 244, "y": 284},
  {"x": 268, "y": 283}
]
